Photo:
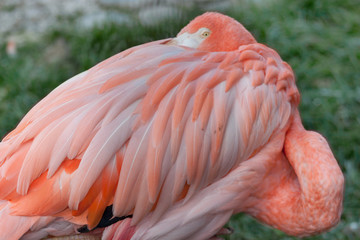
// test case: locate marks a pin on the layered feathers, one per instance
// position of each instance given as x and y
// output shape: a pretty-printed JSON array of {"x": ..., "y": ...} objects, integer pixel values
[{"x": 145, "y": 133}]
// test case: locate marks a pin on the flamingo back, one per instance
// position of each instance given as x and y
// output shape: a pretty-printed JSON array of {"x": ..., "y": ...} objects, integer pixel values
[{"x": 145, "y": 130}]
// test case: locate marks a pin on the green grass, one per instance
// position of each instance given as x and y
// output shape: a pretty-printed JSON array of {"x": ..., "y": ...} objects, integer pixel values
[{"x": 319, "y": 39}]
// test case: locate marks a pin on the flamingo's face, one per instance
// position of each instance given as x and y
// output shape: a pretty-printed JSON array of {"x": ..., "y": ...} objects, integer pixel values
[
  {"x": 192, "y": 40},
  {"x": 213, "y": 32}
]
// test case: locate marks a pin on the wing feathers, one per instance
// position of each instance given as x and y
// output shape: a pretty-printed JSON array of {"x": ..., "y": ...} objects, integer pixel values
[
  {"x": 131, "y": 169},
  {"x": 143, "y": 132},
  {"x": 62, "y": 145},
  {"x": 160, "y": 138},
  {"x": 11, "y": 169},
  {"x": 193, "y": 141},
  {"x": 104, "y": 146},
  {"x": 36, "y": 160},
  {"x": 92, "y": 118}
]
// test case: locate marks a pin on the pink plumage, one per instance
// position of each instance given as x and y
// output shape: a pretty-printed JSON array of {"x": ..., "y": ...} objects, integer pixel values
[{"x": 176, "y": 135}]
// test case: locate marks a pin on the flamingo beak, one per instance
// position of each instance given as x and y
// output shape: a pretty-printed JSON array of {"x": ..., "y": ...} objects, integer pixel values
[{"x": 186, "y": 40}]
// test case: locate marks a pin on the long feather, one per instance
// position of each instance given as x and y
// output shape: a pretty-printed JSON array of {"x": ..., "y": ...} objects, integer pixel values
[{"x": 104, "y": 145}]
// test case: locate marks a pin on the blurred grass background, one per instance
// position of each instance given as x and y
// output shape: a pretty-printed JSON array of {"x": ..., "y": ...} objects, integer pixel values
[{"x": 319, "y": 39}]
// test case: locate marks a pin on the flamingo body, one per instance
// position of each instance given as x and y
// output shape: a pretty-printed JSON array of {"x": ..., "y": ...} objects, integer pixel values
[{"x": 176, "y": 138}]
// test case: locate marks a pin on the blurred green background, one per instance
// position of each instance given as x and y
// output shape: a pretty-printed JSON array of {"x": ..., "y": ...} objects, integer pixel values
[{"x": 319, "y": 39}]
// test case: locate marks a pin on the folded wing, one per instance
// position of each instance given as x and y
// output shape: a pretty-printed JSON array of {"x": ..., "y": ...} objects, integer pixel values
[{"x": 155, "y": 123}]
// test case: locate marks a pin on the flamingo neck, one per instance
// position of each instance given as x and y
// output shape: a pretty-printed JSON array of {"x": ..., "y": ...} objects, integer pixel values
[{"x": 305, "y": 188}]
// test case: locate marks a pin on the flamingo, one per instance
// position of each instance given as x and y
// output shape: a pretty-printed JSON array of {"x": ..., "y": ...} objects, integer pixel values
[{"x": 167, "y": 140}]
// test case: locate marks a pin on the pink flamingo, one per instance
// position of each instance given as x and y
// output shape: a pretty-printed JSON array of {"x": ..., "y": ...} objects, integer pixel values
[{"x": 167, "y": 140}]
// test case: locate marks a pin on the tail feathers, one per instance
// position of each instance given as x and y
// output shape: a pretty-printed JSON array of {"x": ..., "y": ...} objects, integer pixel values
[
  {"x": 120, "y": 230},
  {"x": 56, "y": 227},
  {"x": 13, "y": 227},
  {"x": 31, "y": 228}
]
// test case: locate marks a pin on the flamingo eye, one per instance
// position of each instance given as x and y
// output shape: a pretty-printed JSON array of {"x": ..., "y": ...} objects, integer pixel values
[{"x": 205, "y": 34}]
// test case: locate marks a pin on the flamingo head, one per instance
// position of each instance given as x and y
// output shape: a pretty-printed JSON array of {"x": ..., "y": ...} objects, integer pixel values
[{"x": 214, "y": 32}]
